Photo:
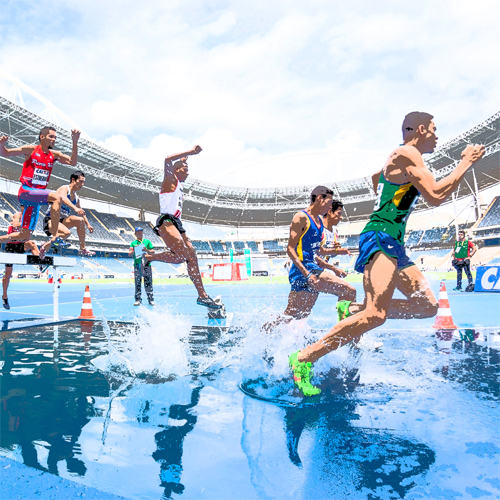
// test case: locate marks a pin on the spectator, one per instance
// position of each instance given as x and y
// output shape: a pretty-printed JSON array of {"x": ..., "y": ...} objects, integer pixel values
[
  {"x": 139, "y": 247},
  {"x": 464, "y": 250}
]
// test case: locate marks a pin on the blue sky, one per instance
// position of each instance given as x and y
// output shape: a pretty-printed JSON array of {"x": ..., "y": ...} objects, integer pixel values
[{"x": 251, "y": 81}]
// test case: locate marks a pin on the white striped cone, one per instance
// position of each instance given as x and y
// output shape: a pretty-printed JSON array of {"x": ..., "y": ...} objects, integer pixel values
[
  {"x": 444, "y": 320},
  {"x": 87, "y": 312}
]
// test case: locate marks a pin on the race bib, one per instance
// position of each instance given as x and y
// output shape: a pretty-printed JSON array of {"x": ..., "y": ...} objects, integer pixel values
[{"x": 40, "y": 177}]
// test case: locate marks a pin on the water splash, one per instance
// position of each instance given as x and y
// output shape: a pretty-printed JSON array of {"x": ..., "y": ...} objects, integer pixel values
[{"x": 155, "y": 344}]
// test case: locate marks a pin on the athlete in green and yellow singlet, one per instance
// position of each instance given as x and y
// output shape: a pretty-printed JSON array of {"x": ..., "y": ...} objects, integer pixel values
[{"x": 382, "y": 257}]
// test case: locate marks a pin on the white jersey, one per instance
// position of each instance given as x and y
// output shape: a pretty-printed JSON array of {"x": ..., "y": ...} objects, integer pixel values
[
  {"x": 171, "y": 203},
  {"x": 331, "y": 237},
  {"x": 65, "y": 210}
]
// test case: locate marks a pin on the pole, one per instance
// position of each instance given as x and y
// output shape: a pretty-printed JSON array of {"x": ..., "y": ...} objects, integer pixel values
[
  {"x": 478, "y": 201},
  {"x": 55, "y": 294},
  {"x": 455, "y": 211}
]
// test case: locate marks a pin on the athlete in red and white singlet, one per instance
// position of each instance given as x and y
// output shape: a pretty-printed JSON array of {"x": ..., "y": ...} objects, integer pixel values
[
  {"x": 35, "y": 176},
  {"x": 169, "y": 225},
  {"x": 18, "y": 247}
]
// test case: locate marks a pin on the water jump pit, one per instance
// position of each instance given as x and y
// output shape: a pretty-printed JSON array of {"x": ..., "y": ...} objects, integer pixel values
[{"x": 159, "y": 404}]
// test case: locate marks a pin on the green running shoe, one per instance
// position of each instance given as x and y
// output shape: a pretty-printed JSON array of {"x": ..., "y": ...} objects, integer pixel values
[
  {"x": 343, "y": 309},
  {"x": 302, "y": 373}
]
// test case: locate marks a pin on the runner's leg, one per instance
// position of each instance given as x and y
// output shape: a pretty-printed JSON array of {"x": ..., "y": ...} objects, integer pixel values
[
  {"x": 55, "y": 213},
  {"x": 379, "y": 283},
  {"x": 74, "y": 221},
  {"x": 193, "y": 268},
  {"x": 30, "y": 246},
  {"x": 299, "y": 306},
  {"x": 330, "y": 283},
  {"x": 180, "y": 250},
  {"x": 6, "y": 280}
]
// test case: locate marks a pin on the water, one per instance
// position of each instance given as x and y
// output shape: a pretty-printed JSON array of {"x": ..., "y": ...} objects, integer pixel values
[{"x": 153, "y": 409}]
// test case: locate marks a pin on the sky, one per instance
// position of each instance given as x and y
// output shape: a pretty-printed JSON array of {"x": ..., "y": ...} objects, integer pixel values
[{"x": 322, "y": 86}]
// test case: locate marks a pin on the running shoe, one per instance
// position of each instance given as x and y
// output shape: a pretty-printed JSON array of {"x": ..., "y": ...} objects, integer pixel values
[
  {"x": 60, "y": 243},
  {"x": 137, "y": 303},
  {"x": 152, "y": 303},
  {"x": 85, "y": 253},
  {"x": 210, "y": 303},
  {"x": 457, "y": 289},
  {"x": 343, "y": 309},
  {"x": 5, "y": 303},
  {"x": 302, "y": 373}
]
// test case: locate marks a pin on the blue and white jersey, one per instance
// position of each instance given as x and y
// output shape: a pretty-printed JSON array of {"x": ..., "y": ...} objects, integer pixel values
[{"x": 65, "y": 210}]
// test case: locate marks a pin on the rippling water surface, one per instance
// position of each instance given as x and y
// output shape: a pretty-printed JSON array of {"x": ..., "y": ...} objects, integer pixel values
[{"x": 153, "y": 409}]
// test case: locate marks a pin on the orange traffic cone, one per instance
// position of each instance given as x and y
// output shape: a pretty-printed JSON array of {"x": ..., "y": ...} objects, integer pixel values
[
  {"x": 444, "y": 321},
  {"x": 87, "y": 306}
]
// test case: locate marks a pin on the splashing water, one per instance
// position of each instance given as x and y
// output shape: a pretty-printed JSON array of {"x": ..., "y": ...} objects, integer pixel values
[{"x": 155, "y": 344}]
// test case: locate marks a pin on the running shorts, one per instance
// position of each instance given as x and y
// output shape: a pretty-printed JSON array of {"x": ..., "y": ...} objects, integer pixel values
[
  {"x": 377, "y": 241},
  {"x": 298, "y": 281},
  {"x": 167, "y": 217},
  {"x": 13, "y": 248},
  {"x": 46, "y": 221},
  {"x": 32, "y": 199}
]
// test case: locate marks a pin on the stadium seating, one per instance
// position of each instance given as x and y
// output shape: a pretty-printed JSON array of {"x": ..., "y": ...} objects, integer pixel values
[
  {"x": 434, "y": 236},
  {"x": 352, "y": 242},
  {"x": 272, "y": 246},
  {"x": 100, "y": 232},
  {"x": 202, "y": 246},
  {"x": 217, "y": 248},
  {"x": 239, "y": 246},
  {"x": 414, "y": 238},
  {"x": 252, "y": 245},
  {"x": 492, "y": 216}
]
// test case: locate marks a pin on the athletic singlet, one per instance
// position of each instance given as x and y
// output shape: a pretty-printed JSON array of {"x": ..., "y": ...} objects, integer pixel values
[
  {"x": 171, "y": 203},
  {"x": 392, "y": 208},
  {"x": 65, "y": 210},
  {"x": 37, "y": 169},
  {"x": 310, "y": 241},
  {"x": 330, "y": 238}
]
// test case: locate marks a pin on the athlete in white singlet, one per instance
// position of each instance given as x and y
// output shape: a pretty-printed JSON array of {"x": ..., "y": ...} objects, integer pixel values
[
  {"x": 169, "y": 225},
  {"x": 67, "y": 221}
]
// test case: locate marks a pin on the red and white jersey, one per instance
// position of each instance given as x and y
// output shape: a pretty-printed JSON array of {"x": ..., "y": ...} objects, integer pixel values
[
  {"x": 37, "y": 169},
  {"x": 171, "y": 203},
  {"x": 12, "y": 229}
]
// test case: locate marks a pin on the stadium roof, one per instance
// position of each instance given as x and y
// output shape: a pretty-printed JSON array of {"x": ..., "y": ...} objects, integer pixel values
[{"x": 111, "y": 178}]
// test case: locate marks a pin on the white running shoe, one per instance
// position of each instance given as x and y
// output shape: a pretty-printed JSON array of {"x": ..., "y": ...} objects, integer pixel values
[
  {"x": 86, "y": 253},
  {"x": 137, "y": 303}
]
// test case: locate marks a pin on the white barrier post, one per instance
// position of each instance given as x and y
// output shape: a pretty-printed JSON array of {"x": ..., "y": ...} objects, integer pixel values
[{"x": 55, "y": 294}]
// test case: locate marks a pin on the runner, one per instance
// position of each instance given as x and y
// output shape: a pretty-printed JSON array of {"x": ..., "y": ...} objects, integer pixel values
[
  {"x": 308, "y": 276},
  {"x": 18, "y": 247},
  {"x": 382, "y": 256},
  {"x": 67, "y": 221},
  {"x": 35, "y": 177},
  {"x": 169, "y": 225},
  {"x": 463, "y": 251},
  {"x": 331, "y": 245}
]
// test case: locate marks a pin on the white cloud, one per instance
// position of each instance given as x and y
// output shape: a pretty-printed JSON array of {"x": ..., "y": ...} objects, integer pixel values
[{"x": 259, "y": 80}]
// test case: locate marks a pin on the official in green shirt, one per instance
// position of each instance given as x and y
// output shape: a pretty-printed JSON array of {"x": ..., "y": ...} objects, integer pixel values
[
  {"x": 463, "y": 250},
  {"x": 137, "y": 248}
]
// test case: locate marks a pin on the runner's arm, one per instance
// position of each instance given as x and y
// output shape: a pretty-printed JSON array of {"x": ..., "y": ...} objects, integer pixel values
[
  {"x": 64, "y": 198},
  {"x": 435, "y": 192},
  {"x": 322, "y": 263},
  {"x": 23, "y": 150},
  {"x": 73, "y": 159},
  {"x": 297, "y": 229},
  {"x": 375, "y": 179},
  {"x": 87, "y": 223},
  {"x": 169, "y": 160}
]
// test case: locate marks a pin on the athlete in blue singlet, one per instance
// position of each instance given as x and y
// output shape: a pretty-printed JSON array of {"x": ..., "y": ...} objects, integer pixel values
[{"x": 307, "y": 274}]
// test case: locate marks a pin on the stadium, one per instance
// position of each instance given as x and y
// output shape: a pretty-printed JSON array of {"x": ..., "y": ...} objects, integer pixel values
[
  {"x": 110, "y": 177},
  {"x": 110, "y": 401}
]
